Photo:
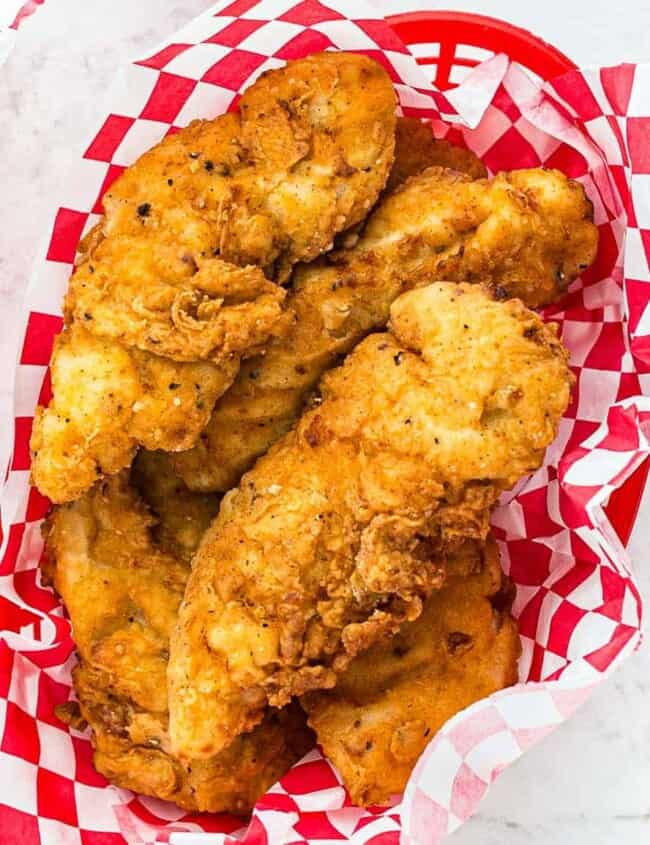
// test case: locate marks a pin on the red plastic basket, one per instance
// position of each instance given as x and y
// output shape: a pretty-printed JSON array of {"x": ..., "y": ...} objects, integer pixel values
[
  {"x": 453, "y": 32},
  {"x": 59, "y": 788},
  {"x": 451, "y": 41}
]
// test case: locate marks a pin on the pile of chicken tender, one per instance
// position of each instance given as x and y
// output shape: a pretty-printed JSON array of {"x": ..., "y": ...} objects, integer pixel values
[{"x": 299, "y": 366}]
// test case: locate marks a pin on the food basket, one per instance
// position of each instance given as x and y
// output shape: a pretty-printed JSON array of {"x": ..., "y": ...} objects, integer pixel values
[{"x": 578, "y": 605}]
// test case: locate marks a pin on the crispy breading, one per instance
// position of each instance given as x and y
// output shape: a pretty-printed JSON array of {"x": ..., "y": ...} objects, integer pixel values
[
  {"x": 194, "y": 230},
  {"x": 392, "y": 700},
  {"x": 129, "y": 752},
  {"x": 122, "y": 592},
  {"x": 175, "y": 270},
  {"x": 526, "y": 233},
  {"x": 416, "y": 148},
  {"x": 108, "y": 399},
  {"x": 336, "y": 536}
]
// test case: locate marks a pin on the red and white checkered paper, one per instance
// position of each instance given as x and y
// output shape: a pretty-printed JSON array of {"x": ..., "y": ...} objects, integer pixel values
[{"x": 578, "y": 605}]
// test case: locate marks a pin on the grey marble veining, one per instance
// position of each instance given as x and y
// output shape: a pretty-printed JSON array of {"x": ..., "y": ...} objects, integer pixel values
[{"x": 587, "y": 784}]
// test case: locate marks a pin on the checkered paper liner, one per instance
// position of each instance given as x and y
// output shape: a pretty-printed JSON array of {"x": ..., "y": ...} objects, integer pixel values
[{"x": 578, "y": 604}]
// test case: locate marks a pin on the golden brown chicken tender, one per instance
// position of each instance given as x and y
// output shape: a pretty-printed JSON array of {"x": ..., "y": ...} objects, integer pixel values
[
  {"x": 392, "y": 700},
  {"x": 416, "y": 148},
  {"x": 337, "y": 535},
  {"x": 171, "y": 288},
  {"x": 526, "y": 233},
  {"x": 195, "y": 228},
  {"x": 107, "y": 400},
  {"x": 122, "y": 590}
]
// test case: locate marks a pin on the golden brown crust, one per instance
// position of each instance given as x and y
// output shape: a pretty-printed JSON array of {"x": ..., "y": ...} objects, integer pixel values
[
  {"x": 170, "y": 287},
  {"x": 131, "y": 750},
  {"x": 336, "y": 536},
  {"x": 526, "y": 234},
  {"x": 392, "y": 700},
  {"x": 416, "y": 148},
  {"x": 108, "y": 399},
  {"x": 122, "y": 590},
  {"x": 194, "y": 230}
]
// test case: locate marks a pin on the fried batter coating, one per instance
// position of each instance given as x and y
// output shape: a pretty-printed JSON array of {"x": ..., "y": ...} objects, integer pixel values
[
  {"x": 129, "y": 752},
  {"x": 175, "y": 271},
  {"x": 182, "y": 517},
  {"x": 336, "y": 536},
  {"x": 194, "y": 230},
  {"x": 122, "y": 592},
  {"x": 416, "y": 148},
  {"x": 526, "y": 233},
  {"x": 392, "y": 700},
  {"x": 108, "y": 399}
]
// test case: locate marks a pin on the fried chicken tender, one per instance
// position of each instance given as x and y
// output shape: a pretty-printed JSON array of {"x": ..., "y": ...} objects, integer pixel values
[
  {"x": 392, "y": 700},
  {"x": 174, "y": 275},
  {"x": 416, "y": 148},
  {"x": 526, "y": 233},
  {"x": 194, "y": 230},
  {"x": 108, "y": 399},
  {"x": 336, "y": 537},
  {"x": 122, "y": 589}
]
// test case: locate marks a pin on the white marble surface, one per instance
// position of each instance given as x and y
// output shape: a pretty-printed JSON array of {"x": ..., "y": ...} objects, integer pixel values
[{"x": 589, "y": 783}]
